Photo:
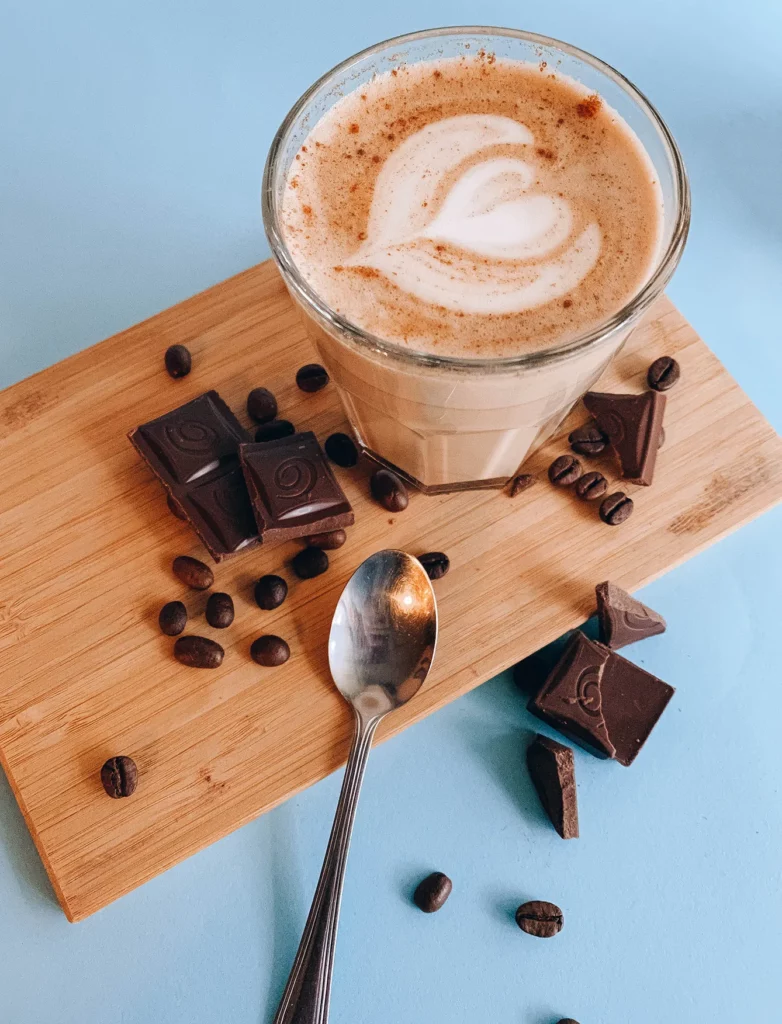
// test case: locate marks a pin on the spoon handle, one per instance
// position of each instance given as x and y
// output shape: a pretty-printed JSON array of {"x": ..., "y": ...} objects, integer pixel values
[{"x": 307, "y": 994}]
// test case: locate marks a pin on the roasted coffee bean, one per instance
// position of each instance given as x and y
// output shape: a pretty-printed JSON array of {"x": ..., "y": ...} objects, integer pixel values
[
  {"x": 432, "y": 893},
  {"x": 567, "y": 1020},
  {"x": 173, "y": 618},
  {"x": 270, "y": 592},
  {"x": 616, "y": 508},
  {"x": 220, "y": 610},
  {"x": 588, "y": 440},
  {"x": 119, "y": 776},
  {"x": 193, "y": 572},
  {"x": 176, "y": 509},
  {"x": 436, "y": 563},
  {"x": 520, "y": 483},
  {"x": 538, "y": 918},
  {"x": 341, "y": 449},
  {"x": 310, "y": 562},
  {"x": 591, "y": 486},
  {"x": 663, "y": 373},
  {"x": 312, "y": 377},
  {"x": 275, "y": 430},
  {"x": 564, "y": 471},
  {"x": 270, "y": 651},
  {"x": 178, "y": 361},
  {"x": 198, "y": 652},
  {"x": 388, "y": 489},
  {"x": 261, "y": 405},
  {"x": 328, "y": 541}
]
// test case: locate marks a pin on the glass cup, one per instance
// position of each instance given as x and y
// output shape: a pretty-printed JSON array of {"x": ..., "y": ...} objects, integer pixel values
[{"x": 444, "y": 423}]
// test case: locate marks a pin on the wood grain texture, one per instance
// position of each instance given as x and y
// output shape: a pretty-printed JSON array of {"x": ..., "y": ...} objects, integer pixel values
[{"x": 86, "y": 545}]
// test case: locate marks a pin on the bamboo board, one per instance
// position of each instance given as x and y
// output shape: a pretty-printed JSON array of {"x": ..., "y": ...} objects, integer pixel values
[{"x": 86, "y": 545}]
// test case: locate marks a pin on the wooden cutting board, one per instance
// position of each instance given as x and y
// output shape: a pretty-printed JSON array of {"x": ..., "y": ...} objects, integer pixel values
[{"x": 86, "y": 544}]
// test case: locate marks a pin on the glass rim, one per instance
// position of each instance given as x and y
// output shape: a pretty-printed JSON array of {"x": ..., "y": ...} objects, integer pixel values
[{"x": 364, "y": 339}]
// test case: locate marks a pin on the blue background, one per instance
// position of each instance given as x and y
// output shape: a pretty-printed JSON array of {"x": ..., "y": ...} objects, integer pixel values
[{"x": 132, "y": 138}]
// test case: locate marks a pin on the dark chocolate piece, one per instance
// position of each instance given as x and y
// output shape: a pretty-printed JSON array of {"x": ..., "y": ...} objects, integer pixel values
[
  {"x": 632, "y": 424},
  {"x": 194, "y": 451},
  {"x": 274, "y": 430},
  {"x": 553, "y": 773},
  {"x": 293, "y": 490},
  {"x": 633, "y": 701},
  {"x": 623, "y": 620}
]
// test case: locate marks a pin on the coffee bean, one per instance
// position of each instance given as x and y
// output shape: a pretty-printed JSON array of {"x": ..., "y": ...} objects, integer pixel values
[
  {"x": 341, "y": 449},
  {"x": 198, "y": 652},
  {"x": 176, "y": 509},
  {"x": 567, "y": 1020},
  {"x": 178, "y": 361},
  {"x": 432, "y": 893},
  {"x": 663, "y": 373},
  {"x": 270, "y": 592},
  {"x": 520, "y": 483},
  {"x": 436, "y": 563},
  {"x": 119, "y": 776},
  {"x": 173, "y": 618},
  {"x": 388, "y": 489},
  {"x": 564, "y": 471},
  {"x": 591, "y": 486},
  {"x": 270, "y": 651},
  {"x": 588, "y": 440},
  {"x": 275, "y": 430},
  {"x": 220, "y": 610},
  {"x": 538, "y": 918},
  {"x": 193, "y": 572},
  {"x": 616, "y": 508},
  {"x": 328, "y": 541},
  {"x": 312, "y": 377},
  {"x": 310, "y": 562},
  {"x": 261, "y": 405}
]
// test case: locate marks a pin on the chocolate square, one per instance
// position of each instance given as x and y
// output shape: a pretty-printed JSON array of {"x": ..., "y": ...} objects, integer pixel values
[
  {"x": 633, "y": 701},
  {"x": 632, "y": 424},
  {"x": 194, "y": 451},
  {"x": 623, "y": 619},
  {"x": 293, "y": 490}
]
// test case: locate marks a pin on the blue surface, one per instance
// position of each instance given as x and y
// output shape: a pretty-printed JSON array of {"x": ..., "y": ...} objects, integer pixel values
[{"x": 131, "y": 144}]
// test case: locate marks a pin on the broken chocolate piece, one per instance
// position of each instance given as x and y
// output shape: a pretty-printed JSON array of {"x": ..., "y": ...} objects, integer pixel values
[
  {"x": 552, "y": 771},
  {"x": 633, "y": 701},
  {"x": 623, "y": 620},
  {"x": 194, "y": 452},
  {"x": 632, "y": 424},
  {"x": 293, "y": 490}
]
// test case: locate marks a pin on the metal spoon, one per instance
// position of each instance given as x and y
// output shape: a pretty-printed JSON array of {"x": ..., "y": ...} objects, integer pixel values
[{"x": 381, "y": 647}]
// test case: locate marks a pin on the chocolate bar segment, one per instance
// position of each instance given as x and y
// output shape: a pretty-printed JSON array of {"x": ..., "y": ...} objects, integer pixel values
[
  {"x": 194, "y": 451},
  {"x": 293, "y": 490},
  {"x": 623, "y": 620},
  {"x": 632, "y": 424},
  {"x": 633, "y": 701},
  {"x": 553, "y": 774}
]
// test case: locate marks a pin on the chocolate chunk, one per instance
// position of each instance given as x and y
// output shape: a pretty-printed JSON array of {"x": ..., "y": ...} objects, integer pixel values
[
  {"x": 312, "y": 377},
  {"x": 274, "y": 431},
  {"x": 591, "y": 486},
  {"x": 432, "y": 892},
  {"x": 588, "y": 440},
  {"x": 194, "y": 451},
  {"x": 328, "y": 541},
  {"x": 632, "y": 425},
  {"x": 198, "y": 652},
  {"x": 293, "y": 490},
  {"x": 553, "y": 773},
  {"x": 388, "y": 490},
  {"x": 173, "y": 618},
  {"x": 309, "y": 563},
  {"x": 564, "y": 471},
  {"x": 270, "y": 592},
  {"x": 119, "y": 776},
  {"x": 520, "y": 483},
  {"x": 663, "y": 373},
  {"x": 572, "y": 700},
  {"x": 193, "y": 572},
  {"x": 604, "y": 702},
  {"x": 436, "y": 563},
  {"x": 539, "y": 918},
  {"x": 261, "y": 405},
  {"x": 623, "y": 620},
  {"x": 270, "y": 651},
  {"x": 616, "y": 508},
  {"x": 341, "y": 449},
  {"x": 220, "y": 610},
  {"x": 178, "y": 361}
]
